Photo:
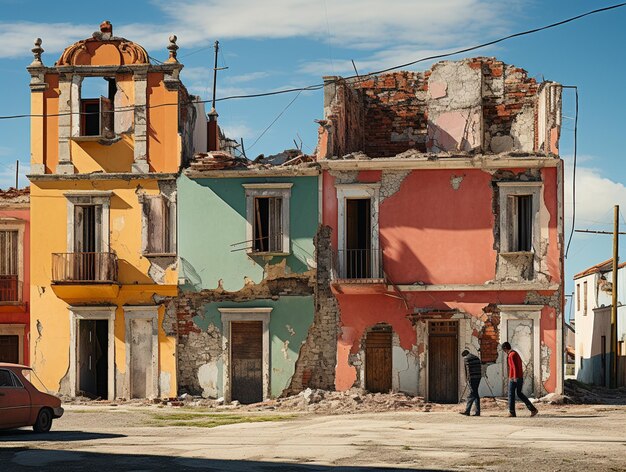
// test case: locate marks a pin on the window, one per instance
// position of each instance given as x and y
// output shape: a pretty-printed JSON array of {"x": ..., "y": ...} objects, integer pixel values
[
  {"x": 96, "y": 117},
  {"x": 519, "y": 205},
  {"x": 267, "y": 215},
  {"x": 5, "y": 379},
  {"x": 159, "y": 214},
  {"x": 577, "y": 297},
  {"x": 585, "y": 297},
  {"x": 9, "y": 266},
  {"x": 267, "y": 224},
  {"x": 521, "y": 218}
]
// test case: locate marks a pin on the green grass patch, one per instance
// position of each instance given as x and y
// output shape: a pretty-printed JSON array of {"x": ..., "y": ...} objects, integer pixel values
[{"x": 211, "y": 420}]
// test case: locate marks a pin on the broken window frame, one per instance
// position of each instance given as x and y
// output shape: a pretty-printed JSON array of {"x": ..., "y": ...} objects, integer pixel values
[
  {"x": 166, "y": 246},
  {"x": 16, "y": 227},
  {"x": 278, "y": 190},
  {"x": 509, "y": 193},
  {"x": 105, "y": 114}
]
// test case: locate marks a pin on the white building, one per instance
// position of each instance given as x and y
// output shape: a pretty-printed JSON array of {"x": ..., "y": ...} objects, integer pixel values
[{"x": 592, "y": 305}]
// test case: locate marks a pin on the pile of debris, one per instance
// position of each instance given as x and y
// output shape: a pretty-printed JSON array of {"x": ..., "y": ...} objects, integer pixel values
[{"x": 583, "y": 394}]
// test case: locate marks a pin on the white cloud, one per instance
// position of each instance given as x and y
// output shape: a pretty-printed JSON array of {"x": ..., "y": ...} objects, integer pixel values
[
  {"x": 595, "y": 194},
  {"x": 359, "y": 24}
]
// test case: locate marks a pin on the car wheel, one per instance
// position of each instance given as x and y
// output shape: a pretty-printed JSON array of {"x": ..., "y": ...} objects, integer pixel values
[{"x": 44, "y": 421}]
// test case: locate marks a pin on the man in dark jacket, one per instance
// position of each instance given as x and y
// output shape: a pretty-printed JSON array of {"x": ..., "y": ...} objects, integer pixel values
[
  {"x": 473, "y": 374},
  {"x": 516, "y": 381}
]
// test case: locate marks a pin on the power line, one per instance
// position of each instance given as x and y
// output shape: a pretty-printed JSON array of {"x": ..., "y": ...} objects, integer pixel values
[
  {"x": 275, "y": 120},
  {"x": 320, "y": 86},
  {"x": 571, "y": 234}
]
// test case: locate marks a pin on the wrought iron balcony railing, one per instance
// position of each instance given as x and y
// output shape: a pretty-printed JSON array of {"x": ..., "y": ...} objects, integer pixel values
[
  {"x": 10, "y": 288},
  {"x": 84, "y": 267},
  {"x": 358, "y": 264}
]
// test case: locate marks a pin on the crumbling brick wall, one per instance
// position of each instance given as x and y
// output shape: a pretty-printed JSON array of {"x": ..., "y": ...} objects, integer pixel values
[
  {"x": 391, "y": 113},
  {"x": 489, "y": 335},
  {"x": 318, "y": 356}
]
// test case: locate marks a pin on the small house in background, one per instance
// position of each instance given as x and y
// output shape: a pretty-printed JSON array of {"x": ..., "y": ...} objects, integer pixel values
[
  {"x": 14, "y": 275},
  {"x": 593, "y": 291},
  {"x": 442, "y": 192}
]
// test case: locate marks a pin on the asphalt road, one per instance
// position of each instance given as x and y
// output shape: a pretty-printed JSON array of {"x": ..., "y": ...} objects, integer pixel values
[{"x": 129, "y": 439}]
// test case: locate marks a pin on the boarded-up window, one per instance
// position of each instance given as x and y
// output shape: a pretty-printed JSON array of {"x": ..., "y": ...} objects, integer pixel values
[
  {"x": 585, "y": 297},
  {"x": 521, "y": 221},
  {"x": 268, "y": 224},
  {"x": 577, "y": 297},
  {"x": 159, "y": 215}
]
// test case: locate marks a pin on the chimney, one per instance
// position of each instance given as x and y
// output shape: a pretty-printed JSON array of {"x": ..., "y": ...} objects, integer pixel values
[{"x": 213, "y": 133}]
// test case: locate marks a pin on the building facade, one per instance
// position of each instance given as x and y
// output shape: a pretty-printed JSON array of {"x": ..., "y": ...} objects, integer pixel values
[
  {"x": 443, "y": 194},
  {"x": 248, "y": 278},
  {"x": 109, "y": 133},
  {"x": 14, "y": 276},
  {"x": 592, "y": 307}
]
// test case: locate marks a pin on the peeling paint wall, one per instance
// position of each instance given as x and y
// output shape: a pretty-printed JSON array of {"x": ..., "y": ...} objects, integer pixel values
[{"x": 219, "y": 273}]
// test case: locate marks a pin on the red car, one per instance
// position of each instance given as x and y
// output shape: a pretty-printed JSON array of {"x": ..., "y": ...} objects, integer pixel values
[{"x": 21, "y": 404}]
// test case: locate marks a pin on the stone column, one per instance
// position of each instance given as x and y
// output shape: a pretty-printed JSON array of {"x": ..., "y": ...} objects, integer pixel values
[
  {"x": 140, "y": 161},
  {"x": 65, "y": 165},
  {"x": 38, "y": 86}
]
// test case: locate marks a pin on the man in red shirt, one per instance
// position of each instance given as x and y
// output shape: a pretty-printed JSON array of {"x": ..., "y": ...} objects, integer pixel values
[{"x": 516, "y": 381}]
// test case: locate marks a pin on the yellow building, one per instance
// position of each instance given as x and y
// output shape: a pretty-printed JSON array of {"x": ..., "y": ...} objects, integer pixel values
[{"x": 109, "y": 133}]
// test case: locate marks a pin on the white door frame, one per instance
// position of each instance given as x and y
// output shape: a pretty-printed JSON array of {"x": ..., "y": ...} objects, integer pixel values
[
  {"x": 78, "y": 313},
  {"x": 245, "y": 314},
  {"x": 149, "y": 312}
]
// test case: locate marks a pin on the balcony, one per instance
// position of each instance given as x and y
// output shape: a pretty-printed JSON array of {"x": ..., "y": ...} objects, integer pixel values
[
  {"x": 84, "y": 268},
  {"x": 358, "y": 266},
  {"x": 10, "y": 289}
]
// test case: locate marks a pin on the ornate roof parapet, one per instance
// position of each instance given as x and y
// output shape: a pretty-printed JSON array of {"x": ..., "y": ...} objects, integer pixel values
[
  {"x": 37, "y": 51},
  {"x": 36, "y": 69},
  {"x": 82, "y": 52},
  {"x": 172, "y": 47}
]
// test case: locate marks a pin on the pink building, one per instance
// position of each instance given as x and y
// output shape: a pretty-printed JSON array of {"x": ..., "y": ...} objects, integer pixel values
[
  {"x": 14, "y": 275},
  {"x": 443, "y": 193}
]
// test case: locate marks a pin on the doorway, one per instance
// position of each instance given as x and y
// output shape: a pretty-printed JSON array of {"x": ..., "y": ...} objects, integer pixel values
[
  {"x": 358, "y": 257},
  {"x": 93, "y": 358},
  {"x": 378, "y": 359},
  {"x": 10, "y": 349},
  {"x": 246, "y": 361},
  {"x": 87, "y": 241},
  {"x": 443, "y": 362},
  {"x": 141, "y": 358}
]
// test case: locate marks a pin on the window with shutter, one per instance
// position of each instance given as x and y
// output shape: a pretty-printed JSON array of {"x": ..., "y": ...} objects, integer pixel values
[{"x": 159, "y": 214}]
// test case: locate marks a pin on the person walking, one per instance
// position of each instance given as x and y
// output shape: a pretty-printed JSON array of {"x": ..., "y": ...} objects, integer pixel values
[
  {"x": 516, "y": 381},
  {"x": 473, "y": 374}
]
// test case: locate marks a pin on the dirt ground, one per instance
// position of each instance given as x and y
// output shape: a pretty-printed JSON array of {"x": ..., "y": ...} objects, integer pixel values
[{"x": 157, "y": 437}]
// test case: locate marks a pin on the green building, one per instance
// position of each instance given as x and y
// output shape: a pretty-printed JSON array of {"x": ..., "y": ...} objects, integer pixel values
[{"x": 247, "y": 276}]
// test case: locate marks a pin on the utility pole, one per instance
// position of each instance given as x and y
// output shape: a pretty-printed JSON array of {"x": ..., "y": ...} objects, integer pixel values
[
  {"x": 17, "y": 174},
  {"x": 213, "y": 138},
  {"x": 614, "y": 299}
]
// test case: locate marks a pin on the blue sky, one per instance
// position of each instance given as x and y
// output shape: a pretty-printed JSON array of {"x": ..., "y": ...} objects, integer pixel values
[{"x": 289, "y": 43}]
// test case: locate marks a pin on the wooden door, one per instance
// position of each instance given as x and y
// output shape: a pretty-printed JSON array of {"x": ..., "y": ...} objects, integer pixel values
[
  {"x": 246, "y": 358},
  {"x": 10, "y": 349},
  {"x": 87, "y": 357},
  {"x": 378, "y": 361},
  {"x": 443, "y": 362}
]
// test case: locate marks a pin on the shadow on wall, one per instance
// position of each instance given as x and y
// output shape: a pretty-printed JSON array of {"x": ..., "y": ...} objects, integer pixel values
[
  {"x": 63, "y": 460},
  {"x": 396, "y": 260}
]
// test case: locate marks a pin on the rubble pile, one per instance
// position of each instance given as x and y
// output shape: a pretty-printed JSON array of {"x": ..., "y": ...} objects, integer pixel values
[{"x": 583, "y": 394}]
